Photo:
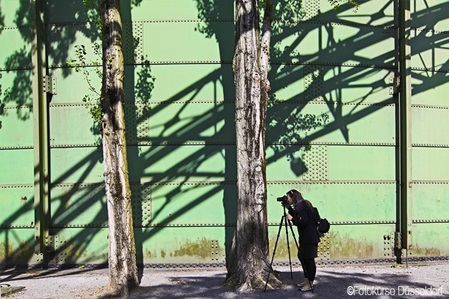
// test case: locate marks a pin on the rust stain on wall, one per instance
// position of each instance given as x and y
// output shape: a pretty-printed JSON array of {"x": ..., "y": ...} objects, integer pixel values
[
  {"x": 201, "y": 247},
  {"x": 342, "y": 247}
]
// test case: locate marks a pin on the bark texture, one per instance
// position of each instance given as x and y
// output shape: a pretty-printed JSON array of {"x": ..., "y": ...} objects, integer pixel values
[
  {"x": 122, "y": 251},
  {"x": 249, "y": 265}
]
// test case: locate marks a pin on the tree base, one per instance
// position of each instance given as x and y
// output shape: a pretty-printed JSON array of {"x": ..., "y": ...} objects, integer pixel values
[{"x": 256, "y": 281}]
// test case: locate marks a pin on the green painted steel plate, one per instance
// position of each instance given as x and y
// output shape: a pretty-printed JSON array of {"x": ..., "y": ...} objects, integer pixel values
[
  {"x": 429, "y": 239},
  {"x": 354, "y": 242},
  {"x": 183, "y": 163},
  {"x": 16, "y": 128},
  {"x": 182, "y": 245},
  {"x": 77, "y": 165},
  {"x": 195, "y": 46},
  {"x": 72, "y": 125},
  {"x": 17, "y": 205},
  {"x": 18, "y": 167},
  {"x": 429, "y": 13},
  {"x": 430, "y": 164},
  {"x": 429, "y": 202},
  {"x": 188, "y": 203},
  {"x": 78, "y": 205},
  {"x": 17, "y": 247},
  {"x": 430, "y": 126},
  {"x": 347, "y": 202}
]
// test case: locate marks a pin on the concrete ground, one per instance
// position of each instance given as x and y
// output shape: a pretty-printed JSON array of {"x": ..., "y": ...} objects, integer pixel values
[{"x": 429, "y": 280}]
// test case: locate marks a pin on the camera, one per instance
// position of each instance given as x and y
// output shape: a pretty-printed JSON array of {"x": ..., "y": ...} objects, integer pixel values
[{"x": 282, "y": 199}]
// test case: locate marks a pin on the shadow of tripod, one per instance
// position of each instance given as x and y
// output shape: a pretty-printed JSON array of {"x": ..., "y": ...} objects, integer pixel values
[{"x": 287, "y": 223}]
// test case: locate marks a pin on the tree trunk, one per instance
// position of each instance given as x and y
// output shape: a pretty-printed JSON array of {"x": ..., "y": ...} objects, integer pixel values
[
  {"x": 249, "y": 266},
  {"x": 122, "y": 256}
]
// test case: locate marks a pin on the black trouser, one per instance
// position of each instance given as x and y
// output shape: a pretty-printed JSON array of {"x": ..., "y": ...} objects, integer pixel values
[
  {"x": 309, "y": 268},
  {"x": 306, "y": 255}
]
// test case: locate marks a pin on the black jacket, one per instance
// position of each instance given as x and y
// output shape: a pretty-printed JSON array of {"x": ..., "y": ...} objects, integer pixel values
[{"x": 306, "y": 219}]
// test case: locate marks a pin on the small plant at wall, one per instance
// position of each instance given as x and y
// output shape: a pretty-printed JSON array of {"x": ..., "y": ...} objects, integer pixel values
[{"x": 81, "y": 65}]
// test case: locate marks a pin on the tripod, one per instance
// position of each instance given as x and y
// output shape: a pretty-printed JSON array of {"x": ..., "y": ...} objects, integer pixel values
[{"x": 283, "y": 222}]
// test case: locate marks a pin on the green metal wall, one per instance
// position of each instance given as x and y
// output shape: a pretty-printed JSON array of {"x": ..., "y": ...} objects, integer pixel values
[{"x": 333, "y": 131}]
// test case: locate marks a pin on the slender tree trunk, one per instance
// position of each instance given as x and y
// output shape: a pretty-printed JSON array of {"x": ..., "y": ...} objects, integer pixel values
[
  {"x": 249, "y": 266},
  {"x": 122, "y": 252}
]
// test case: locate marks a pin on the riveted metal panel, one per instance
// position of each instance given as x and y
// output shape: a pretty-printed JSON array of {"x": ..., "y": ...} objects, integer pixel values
[
  {"x": 316, "y": 159},
  {"x": 78, "y": 205},
  {"x": 430, "y": 51},
  {"x": 72, "y": 125},
  {"x": 344, "y": 243},
  {"x": 194, "y": 121},
  {"x": 79, "y": 164},
  {"x": 17, "y": 246},
  {"x": 285, "y": 163},
  {"x": 287, "y": 82},
  {"x": 362, "y": 242},
  {"x": 17, "y": 206},
  {"x": 321, "y": 44},
  {"x": 425, "y": 120},
  {"x": 429, "y": 121},
  {"x": 430, "y": 200},
  {"x": 193, "y": 162},
  {"x": 72, "y": 87},
  {"x": 10, "y": 9},
  {"x": 361, "y": 163},
  {"x": 429, "y": 15},
  {"x": 181, "y": 245},
  {"x": 307, "y": 163},
  {"x": 16, "y": 55},
  {"x": 15, "y": 27},
  {"x": 137, "y": 117},
  {"x": 194, "y": 47},
  {"x": 199, "y": 203},
  {"x": 366, "y": 13},
  {"x": 430, "y": 88},
  {"x": 341, "y": 202},
  {"x": 182, "y": 82},
  {"x": 165, "y": 10},
  {"x": 16, "y": 92},
  {"x": 367, "y": 124},
  {"x": 133, "y": 42},
  {"x": 16, "y": 127},
  {"x": 62, "y": 12},
  {"x": 330, "y": 122},
  {"x": 63, "y": 39},
  {"x": 17, "y": 165},
  {"x": 347, "y": 85},
  {"x": 311, "y": 8},
  {"x": 142, "y": 204},
  {"x": 427, "y": 240},
  {"x": 430, "y": 163},
  {"x": 78, "y": 245}
]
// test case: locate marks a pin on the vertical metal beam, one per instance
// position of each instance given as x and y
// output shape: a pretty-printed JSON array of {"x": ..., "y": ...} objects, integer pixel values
[
  {"x": 40, "y": 133},
  {"x": 404, "y": 123}
]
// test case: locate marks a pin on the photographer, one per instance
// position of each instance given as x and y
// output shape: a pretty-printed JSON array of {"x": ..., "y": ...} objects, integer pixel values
[{"x": 303, "y": 215}]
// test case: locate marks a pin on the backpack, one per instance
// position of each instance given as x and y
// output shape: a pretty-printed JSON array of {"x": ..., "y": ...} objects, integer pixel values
[{"x": 322, "y": 224}]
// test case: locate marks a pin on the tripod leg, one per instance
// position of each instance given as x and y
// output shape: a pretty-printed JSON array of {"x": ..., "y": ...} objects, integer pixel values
[
  {"x": 288, "y": 248},
  {"x": 274, "y": 251},
  {"x": 293, "y": 234}
]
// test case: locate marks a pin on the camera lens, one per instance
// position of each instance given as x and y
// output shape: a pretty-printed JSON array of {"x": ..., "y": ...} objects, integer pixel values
[{"x": 282, "y": 198}]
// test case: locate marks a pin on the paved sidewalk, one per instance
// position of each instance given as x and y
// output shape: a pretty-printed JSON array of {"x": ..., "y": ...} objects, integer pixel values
[{"x": 364, "y": 281}]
